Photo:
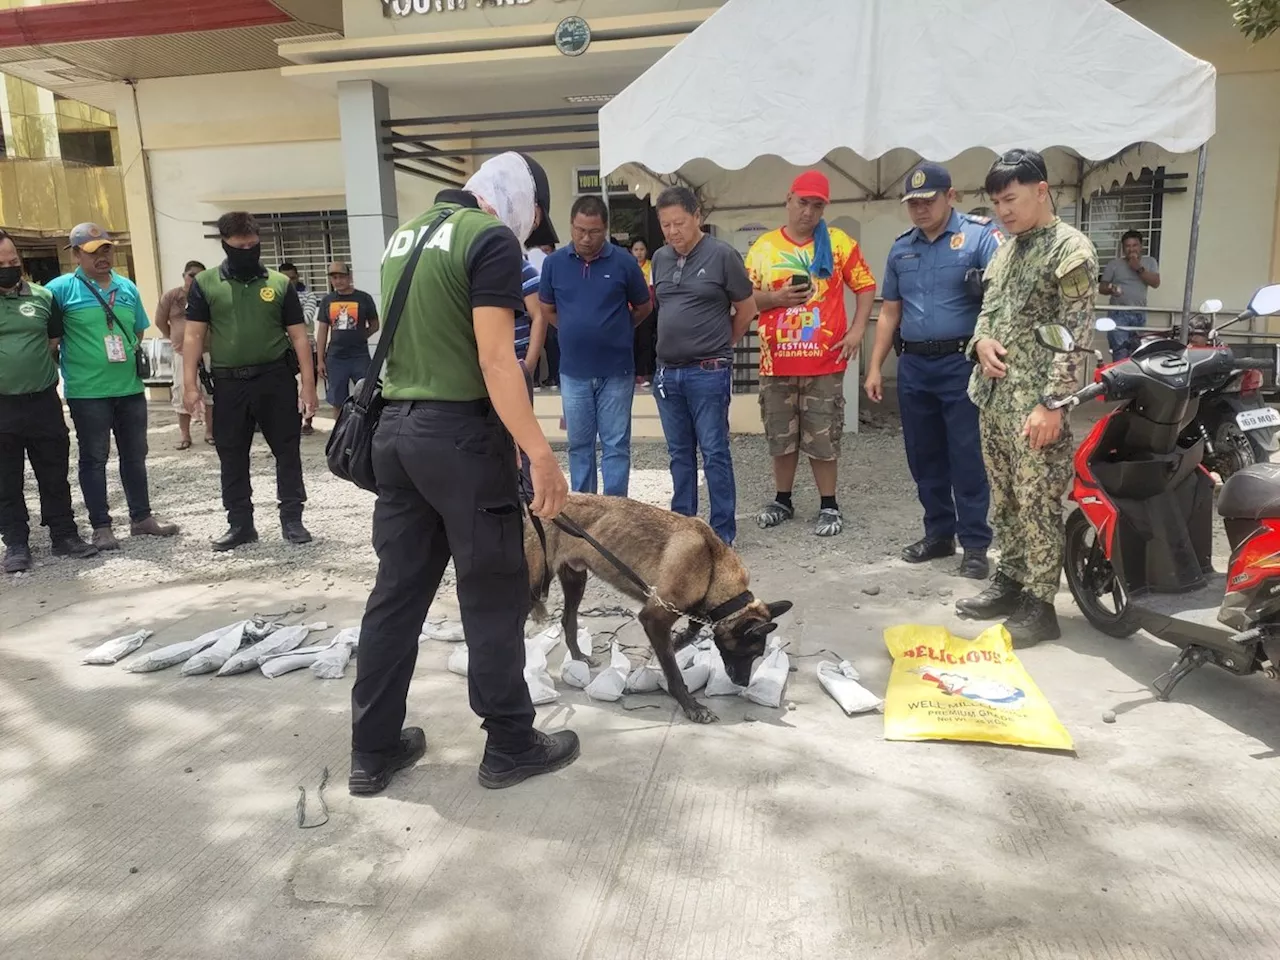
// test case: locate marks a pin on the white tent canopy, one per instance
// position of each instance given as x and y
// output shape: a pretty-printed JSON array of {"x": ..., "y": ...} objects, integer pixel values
[{"x": 803, "y": 78}]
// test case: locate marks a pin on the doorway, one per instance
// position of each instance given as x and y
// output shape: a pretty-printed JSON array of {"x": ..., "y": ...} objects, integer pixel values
[{"x": 632, "y": 218}]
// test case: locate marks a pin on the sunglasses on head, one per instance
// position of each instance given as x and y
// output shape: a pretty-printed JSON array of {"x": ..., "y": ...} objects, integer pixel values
[{"x": 1020, "y": 158}]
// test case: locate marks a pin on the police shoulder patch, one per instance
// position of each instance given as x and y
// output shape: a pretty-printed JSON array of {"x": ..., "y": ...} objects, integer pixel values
[
  {"x": 975, "y": 218},
  {"x": 1076, "y": 276}
]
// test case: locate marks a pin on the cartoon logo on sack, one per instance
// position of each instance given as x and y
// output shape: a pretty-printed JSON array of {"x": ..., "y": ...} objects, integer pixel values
[
  {"x": 990, "y": 692},
  {"x": 268, "y": 294}
]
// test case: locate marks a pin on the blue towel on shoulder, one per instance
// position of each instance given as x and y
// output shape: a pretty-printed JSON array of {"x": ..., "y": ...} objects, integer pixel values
[{"x": 823, "y": 260}]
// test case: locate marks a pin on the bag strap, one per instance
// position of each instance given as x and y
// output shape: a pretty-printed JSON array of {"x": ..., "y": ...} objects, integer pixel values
[
  {"x": 392, "y": 319},
  {"x": 111, "y": 314}
]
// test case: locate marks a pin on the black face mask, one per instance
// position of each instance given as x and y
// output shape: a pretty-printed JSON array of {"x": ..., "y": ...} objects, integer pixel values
[
  {"x": 243, "y": 263},
  {"x": 10, "y": 277}
]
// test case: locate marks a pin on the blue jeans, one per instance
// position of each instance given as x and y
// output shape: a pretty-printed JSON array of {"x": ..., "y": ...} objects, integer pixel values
[
  {"x": 693, "y": 403},
  {"x": 342, "y": 373},
  {"x": 598, "y": 406},
  {"x": 96, "y": 420},
  {"x": 1124, "y": 342}
]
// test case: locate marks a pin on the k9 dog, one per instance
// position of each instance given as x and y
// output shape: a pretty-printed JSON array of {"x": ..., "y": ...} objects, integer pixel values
[{"x": 689, "y": 570}]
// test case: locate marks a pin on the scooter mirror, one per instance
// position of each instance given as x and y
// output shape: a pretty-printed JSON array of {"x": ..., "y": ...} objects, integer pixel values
[
  {"x": 1211, "y": 306},
  {"x": 1056, "y": 337},
  {"x": 1104, "y": 324},
  {"x": 1266, "y": 301}
]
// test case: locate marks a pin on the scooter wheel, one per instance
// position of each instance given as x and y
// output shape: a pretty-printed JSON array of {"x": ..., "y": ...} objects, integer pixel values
[{"x": 1092, "y": 581}]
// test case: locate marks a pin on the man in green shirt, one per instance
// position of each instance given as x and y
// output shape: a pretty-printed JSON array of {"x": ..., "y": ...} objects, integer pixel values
[
  {"x": 31, "y": 421},
  {"x": 257, "y": 341},
  {"x": 447, "y": 478},
  {"x": 103, "y": 319}
]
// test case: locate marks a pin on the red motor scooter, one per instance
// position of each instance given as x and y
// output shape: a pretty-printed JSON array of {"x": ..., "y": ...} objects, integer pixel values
[{"x": 1138, "y": 551}]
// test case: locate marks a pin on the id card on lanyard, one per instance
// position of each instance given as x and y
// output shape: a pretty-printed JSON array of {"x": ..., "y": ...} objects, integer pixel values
[{"x": 114, "y": 341}]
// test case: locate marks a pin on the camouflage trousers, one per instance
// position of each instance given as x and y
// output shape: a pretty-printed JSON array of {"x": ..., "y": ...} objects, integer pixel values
[
  {"x": 803, "y": 413},
  {"x": 1027, "y": 487}
]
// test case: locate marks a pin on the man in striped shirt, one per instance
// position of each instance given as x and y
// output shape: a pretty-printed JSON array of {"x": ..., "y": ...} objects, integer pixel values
[{"x": 531, "y": 333}]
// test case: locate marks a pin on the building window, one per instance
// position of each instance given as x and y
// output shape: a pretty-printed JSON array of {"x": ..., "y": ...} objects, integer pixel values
[
  {"x": 310, "y": 241},
  {"x": 1138, "y": 205},
  {"x": 90, "y": 147}
]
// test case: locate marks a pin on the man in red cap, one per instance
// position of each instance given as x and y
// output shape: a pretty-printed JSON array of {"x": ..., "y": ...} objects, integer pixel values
[{"x": 806, "y": 342}]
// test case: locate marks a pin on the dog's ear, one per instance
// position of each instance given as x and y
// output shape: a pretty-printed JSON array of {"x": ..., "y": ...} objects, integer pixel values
[
  {"x": 778, "y": 608},
  {"x": 758, "y": 631}
]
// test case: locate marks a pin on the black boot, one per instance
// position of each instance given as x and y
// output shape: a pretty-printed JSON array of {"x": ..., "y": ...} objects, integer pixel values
[
  {"x": 549, "y": 753},
  {"x": 927, "y": 549},
  {"x": 17, "y": 558},
  {"x": 237, "y": 535},
  {"x": 974, "y": 566},
  {"x": 1033, "y": 621},
  {"x": 998, "y": 600},
  {"x": 294, "y": 531},
  {"x": 366, "y": 779},
  {"x": 73, "y": 546}
]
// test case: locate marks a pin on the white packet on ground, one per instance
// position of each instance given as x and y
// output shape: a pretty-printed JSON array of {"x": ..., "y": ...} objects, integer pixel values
[
  {"x": 259, "y": 629},
  {"x": 117, "y": 649},
  {"x": 769, "y": 681},
  {"x": 644, "y": 679},
  {"x": 695, "y": 677},
  {"x": 288, "y": 662},
  {"x": 611, "y": 682},
  {"x": 718, "y": 683},
  {"x": 458, "y": 658},
  {"x": 163, "y": 657},
  {"x": 212, "y": 657},
  {"x": 841, "y": 681},
  {"x": 685, "y": 656},
  {"x": 449, "y": 631},
  {"x": 332, "y": 663},
  {"x": 545, "y": 640},
  {"x": 575, "y": 673},
  {"x": 348, "y": 635},
  {"x": 536, "y": 675},
  {"x": 282, "y": 641}
]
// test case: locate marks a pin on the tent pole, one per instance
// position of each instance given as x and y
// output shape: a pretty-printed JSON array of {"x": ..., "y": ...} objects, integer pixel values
[{"x": 1196, "y": 206}]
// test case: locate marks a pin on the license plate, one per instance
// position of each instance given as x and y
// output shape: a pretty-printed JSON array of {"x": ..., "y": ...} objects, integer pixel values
[{"x": 1258, "y": 419}]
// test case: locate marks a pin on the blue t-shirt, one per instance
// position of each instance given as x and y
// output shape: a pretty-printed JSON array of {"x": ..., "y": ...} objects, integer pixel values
[
  {"x": 524, "y": 323},
  {"x": 593, "y": 317}
]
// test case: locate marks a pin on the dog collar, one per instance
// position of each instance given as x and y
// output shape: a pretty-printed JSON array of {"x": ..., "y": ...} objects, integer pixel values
[{"x": 730, "y": 607}]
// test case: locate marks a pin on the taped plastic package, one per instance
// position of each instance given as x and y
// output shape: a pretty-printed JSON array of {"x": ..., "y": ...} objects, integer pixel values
[
  {"x": 116, "y": 649},
  {"x": 536, "y": 675},
  {"x": 282, "y": 663},
  {"x": 946, "y": 688},
  {"x": 332, "y": 663},
  {"x": 695, "y": 676},
  {"x": 282, "y": 641},
  {"x": 458, "y": 660},
  {"x": 610, "y": 683},
  {"x": 840, "y": 680},
  {"x": 576, "y": 673},
  {"x": 448, "y": 631},
  {"x": 163, "y": 657},
  {"x": 718, "y": 682},
  {"x": 644, "y": 679},
  {"x": 212, "y": 657},
  {"x": 769, "y": 682}
]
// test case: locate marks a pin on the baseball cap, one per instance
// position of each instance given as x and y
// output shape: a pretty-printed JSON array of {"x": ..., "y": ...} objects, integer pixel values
[
  {"x": 544, "y": 233},
  {"x": 925, "y": 181},
  {"x": 811, "y": 183},
  {"x": 88, "y": 237}
]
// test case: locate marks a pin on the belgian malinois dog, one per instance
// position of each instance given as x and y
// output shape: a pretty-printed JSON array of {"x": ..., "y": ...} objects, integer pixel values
[{"x": 690, "y": 572}]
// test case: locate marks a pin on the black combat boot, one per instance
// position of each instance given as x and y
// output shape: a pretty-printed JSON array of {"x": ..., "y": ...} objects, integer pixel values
[
  {"x": 1033, "y": 621},
  {"x": 998, "y": 600},
  {"x": 237, "y": 535},
  {"x": 370, "y": 776},
  {"x": 547, "y": 754},
  {"x": 974, "y": 566}
]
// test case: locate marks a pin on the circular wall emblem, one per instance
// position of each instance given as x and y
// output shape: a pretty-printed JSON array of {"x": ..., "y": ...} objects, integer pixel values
[
  {"x": 917, "y": 180},
  {"x": 573, "y": 36},
  {"x": 27, "y": 309},
  {"x": 268, "y": 294}
]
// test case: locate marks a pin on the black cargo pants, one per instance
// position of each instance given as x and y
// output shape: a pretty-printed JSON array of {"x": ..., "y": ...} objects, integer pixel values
[
  {"x": 267, "y": 399},
  {"x": 32, "y": 424},
  {"x": 446, "y": 488}
]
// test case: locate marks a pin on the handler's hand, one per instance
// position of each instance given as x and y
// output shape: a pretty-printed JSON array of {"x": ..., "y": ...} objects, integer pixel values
[
  {"x": 989, "y": 354},
  {"x": 874, "y": 385},
  {"x": 549, "y": 487},
  {"x": 194, "y": 402},
  {"x": 1043, "y": 427},
  {"x": 307, "y": 403}
]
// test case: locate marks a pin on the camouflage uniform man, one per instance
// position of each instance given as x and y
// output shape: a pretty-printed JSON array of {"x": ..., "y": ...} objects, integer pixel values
[{"x": 1046, "y": 275}]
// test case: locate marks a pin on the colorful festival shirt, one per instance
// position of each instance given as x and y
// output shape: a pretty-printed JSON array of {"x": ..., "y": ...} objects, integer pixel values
[{"x": 800, "y": 341}]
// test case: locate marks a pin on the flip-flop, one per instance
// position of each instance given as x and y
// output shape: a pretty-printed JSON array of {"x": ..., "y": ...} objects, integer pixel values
[
  {"x": 210, "y": 441},
  {"x": 184, "y": 445}
]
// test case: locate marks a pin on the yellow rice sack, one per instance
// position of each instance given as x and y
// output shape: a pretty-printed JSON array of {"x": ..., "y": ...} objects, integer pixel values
[{"x": 945, "y": 688}]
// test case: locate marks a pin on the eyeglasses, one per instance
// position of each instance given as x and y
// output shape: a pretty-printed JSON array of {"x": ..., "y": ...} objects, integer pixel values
[{"x": 1021, "y": 158}]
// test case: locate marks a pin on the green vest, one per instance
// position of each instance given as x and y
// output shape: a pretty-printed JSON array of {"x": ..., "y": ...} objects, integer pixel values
[
  {"x": 246, "y": 319},
  {"x": 434, "y": 354},
  {"x": 26, "y": 363}
]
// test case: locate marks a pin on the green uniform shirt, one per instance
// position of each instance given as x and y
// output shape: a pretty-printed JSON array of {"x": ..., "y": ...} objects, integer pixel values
[
  {"x": 247, "y": 318},
  {"x": 88, "y": 373},
  {"x": 1046, "y": 275},
  {"x": 29, "y": 319},
  {"x": 471, "y": 261}
]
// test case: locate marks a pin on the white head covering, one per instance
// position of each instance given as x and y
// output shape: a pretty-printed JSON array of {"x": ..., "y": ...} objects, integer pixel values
[{"x": 505, "y": 187}]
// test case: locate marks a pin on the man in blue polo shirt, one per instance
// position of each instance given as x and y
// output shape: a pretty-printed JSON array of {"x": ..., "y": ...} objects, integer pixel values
[
  {"x": 595, "y": 295},
  {"x": 103, "y": 319}
]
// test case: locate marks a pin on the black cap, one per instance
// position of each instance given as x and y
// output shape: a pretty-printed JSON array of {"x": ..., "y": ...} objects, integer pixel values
[
  {"x": 925, "y": 181},
  {"x": 544, "y": 233}
]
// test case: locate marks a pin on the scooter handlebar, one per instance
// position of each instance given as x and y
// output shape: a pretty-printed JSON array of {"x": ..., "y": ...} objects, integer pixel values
[
  {"x": 1253, "y": 363},
  {"x": 1080, "y": 396}
]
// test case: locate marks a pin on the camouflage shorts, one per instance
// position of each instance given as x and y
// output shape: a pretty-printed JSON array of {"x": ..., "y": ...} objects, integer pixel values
[{"x": 803, "y": 413}]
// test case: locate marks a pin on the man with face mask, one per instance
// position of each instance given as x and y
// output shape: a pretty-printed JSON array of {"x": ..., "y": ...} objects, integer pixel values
[
  {"x": 456, "y": 398},
  {"x": 257, "y": 340}
]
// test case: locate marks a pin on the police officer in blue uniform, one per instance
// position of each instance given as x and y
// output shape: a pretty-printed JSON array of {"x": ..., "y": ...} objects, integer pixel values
[{"x": 932, "y": 294}]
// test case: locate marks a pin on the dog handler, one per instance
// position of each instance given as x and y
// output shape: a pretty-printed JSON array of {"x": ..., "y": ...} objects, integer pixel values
[{"x": 446, "y": 472}]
